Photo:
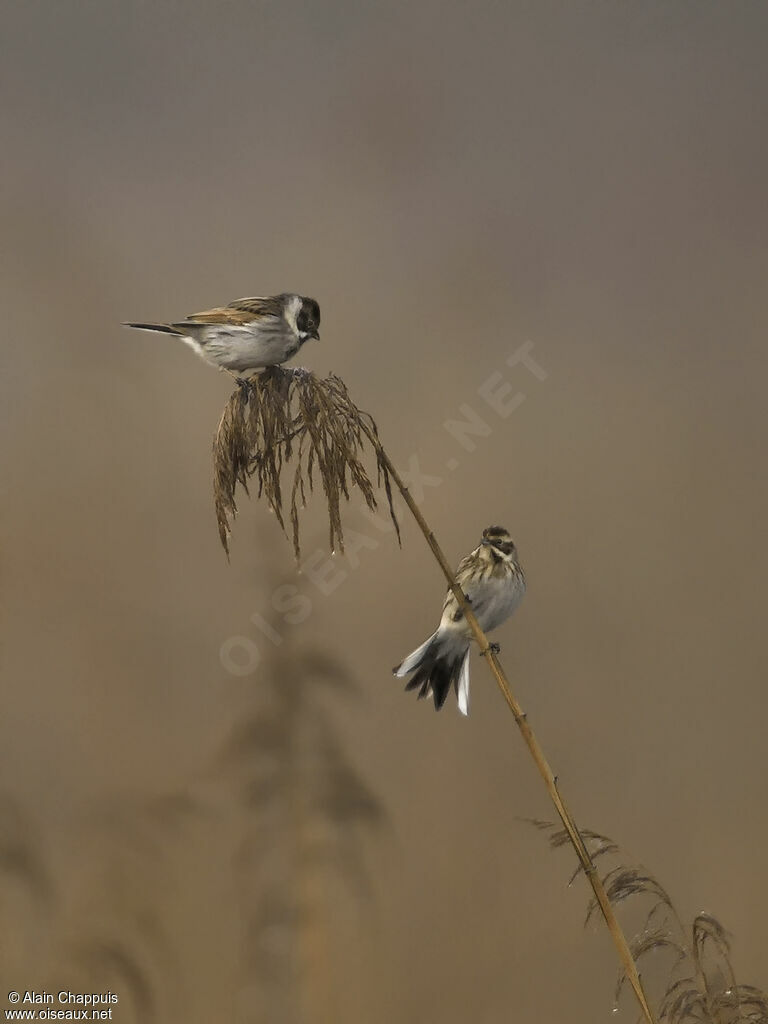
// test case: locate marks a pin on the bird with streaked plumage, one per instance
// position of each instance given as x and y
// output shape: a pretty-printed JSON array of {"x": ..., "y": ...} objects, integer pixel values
[
  {"x": 248, "y": 334},
  {"x": 493, "y": 583}
]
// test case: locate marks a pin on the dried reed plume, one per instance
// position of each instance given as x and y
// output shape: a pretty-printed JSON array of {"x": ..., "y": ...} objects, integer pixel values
[
  {"x": 282, "y": 411},
  {"x": 283, "y": 415},
  {"x": 700, "y": 985}
]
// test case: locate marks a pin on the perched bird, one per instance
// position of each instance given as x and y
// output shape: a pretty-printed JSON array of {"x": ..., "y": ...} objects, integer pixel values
[
  {"x": 248, "y": 334},
  {"x": 493, "y": 582}
]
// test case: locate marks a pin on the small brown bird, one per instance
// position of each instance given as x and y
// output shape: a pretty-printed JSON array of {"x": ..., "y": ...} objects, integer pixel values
[
  {"x": 493, "y": 582},
  {"x": 248, "y": 334}
]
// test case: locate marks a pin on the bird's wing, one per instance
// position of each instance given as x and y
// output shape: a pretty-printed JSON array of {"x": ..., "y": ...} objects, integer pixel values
[
  {"x": 221, "y": 315},
  {"x": 237, "y": 313},
  {"x": 259, "y": 305},
  {"x": 463, "y": 574}
]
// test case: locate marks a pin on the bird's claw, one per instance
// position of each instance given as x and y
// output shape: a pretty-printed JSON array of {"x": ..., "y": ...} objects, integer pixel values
[
  {"x": 243, "y": 389},
  {"x": 491, "y": 649}
]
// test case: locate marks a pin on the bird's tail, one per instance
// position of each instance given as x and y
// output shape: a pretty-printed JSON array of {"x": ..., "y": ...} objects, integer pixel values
[
  {"x": 161, "y": 328},
  {"x": 436, "y": 666}
]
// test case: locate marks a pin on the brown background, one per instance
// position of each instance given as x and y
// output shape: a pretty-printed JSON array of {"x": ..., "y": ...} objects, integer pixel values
[{"x": 448, "y": 180}]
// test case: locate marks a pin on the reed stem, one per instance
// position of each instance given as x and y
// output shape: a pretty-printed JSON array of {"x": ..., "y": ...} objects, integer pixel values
[{"x": 550, "y": 779}]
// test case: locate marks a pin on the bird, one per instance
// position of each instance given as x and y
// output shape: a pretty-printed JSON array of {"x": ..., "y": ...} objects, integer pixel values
[
  {"x": 247, "y": 334},
  {"x": 493, "y": 583}
]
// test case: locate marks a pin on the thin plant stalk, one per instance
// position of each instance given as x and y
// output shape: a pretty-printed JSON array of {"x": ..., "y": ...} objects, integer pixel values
[
  {"x": 257, "y": 435},
  {"x": 550, "y": 779}
]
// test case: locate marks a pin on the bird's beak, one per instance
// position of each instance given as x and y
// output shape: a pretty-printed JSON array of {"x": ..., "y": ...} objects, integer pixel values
[
  {"x": 315, "y": 335},
  {"x": 486, "y": 542}
]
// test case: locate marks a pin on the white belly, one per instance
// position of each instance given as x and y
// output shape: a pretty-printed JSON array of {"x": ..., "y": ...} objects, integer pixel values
[
  {"x": 492, "y": 602},
  {"x": 242, "y": 348}
]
